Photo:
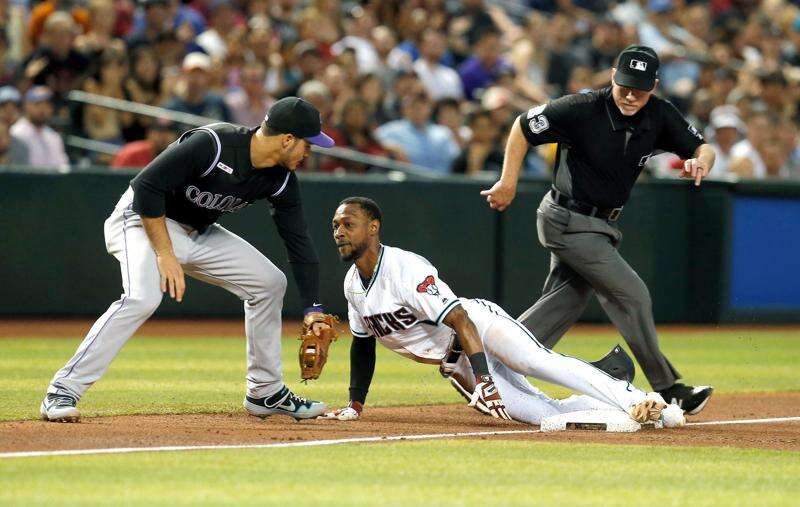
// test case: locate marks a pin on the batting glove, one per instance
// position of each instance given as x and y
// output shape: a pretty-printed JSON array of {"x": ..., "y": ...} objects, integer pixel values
[
  {"x": 487, "y": 393},
  {"x": 352, "y": 412}
]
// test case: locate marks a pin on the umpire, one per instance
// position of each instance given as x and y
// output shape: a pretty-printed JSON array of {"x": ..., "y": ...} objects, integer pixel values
[
  {"x": 604, "y": 138},
  {"x": 165, "y": 226}
]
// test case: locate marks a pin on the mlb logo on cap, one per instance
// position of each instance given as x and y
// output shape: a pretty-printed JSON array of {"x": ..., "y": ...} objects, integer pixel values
[{"x": 638, "y": 65}]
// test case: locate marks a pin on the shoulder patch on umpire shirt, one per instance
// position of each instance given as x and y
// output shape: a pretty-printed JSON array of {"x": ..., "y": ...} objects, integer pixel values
[
  {"x": 225, "y": 168},
  {"x": 535, "y": 110}
]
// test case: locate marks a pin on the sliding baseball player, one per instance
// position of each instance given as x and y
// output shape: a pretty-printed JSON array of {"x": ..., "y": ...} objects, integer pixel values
[{"x": 397, "y": 298}]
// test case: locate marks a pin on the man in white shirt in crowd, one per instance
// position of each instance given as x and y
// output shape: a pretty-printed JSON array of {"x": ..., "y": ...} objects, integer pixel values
[
  {"x": 746, "y": 159},
  {"x": 725, "y": 129},
  {"x": 45, "y": 146},
  {"x": 440, "y": 81}
]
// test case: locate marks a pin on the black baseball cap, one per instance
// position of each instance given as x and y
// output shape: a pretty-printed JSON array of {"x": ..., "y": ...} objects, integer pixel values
[
  {"x": 293, "y": 115},
  {"x": 637, "y": 67}
]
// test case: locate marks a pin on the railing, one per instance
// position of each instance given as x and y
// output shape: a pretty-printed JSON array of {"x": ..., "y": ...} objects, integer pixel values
[{"x": 192, "y": 120}]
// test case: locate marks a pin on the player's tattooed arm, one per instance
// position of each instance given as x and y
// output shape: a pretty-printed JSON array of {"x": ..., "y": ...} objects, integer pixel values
[{"x": 168, "y": 266}]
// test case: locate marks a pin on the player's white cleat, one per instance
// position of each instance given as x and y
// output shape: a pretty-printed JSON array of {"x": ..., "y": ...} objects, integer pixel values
[
  {"x": 59, "y": 408},
  {"x": 649, "y": 409},
  {"x": 672, "y": 417}
]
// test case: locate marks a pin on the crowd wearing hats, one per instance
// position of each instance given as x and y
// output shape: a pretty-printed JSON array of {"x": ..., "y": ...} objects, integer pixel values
[{"x": 431, "y": 82}]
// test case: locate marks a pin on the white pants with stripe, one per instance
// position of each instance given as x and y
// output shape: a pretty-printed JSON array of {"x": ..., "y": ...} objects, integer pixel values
[
  {"x": 513, "y": 353},
  {"x": 218, "y": 257}
]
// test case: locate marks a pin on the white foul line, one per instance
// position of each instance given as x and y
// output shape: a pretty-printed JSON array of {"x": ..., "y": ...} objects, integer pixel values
[
  {"x": 306, "y": 443},
  {"x": 745, "y": 421},
  {"x": 313, "y": 443}
]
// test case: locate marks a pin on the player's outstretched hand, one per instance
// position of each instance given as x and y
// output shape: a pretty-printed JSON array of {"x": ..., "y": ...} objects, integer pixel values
[
  {"x": 171, "y": 276},
  {"x": 487, "y": 392},
  {"x": 500, "y": 195},
  {"x": 349, "y": 413},
  {"x": 696, "y": 169}
]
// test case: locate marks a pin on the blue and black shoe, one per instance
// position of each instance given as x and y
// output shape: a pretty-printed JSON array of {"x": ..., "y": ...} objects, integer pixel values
[
  {"x": 59, "y": 408},
  {"x": 284, "y": 402}
]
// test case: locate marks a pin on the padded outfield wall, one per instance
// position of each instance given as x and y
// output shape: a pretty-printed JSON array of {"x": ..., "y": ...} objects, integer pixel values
[{"x": 725, "y": 252}]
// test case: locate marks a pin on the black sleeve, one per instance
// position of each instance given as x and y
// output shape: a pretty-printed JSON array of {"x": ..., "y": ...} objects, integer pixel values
[
  {"x": 551, "y": 122},
  {"x": 287, "y": 211},
  {"x": 175, "y": 165},
  {"x": 362, "y": 367},
  {"x": 677, "y": 135}
]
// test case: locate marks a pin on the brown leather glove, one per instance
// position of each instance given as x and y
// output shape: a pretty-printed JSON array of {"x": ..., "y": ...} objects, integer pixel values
[{"x": 314, "y": 347}]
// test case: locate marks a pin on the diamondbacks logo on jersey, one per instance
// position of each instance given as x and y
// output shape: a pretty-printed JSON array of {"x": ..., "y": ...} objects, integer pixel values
[
  {"x": 382, "y": 324},
  {"x": 428, "y": 286}
]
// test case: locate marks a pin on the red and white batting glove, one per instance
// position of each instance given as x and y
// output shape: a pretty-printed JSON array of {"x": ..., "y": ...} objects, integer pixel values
[
  {"x": 349, "y": 413},
  {"x": 487, "y": 393}
]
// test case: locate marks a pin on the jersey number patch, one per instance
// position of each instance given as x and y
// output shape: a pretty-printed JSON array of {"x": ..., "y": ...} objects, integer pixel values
[
  {"x": 428, "y": 286},
  {"x": 539, "y": 124}
]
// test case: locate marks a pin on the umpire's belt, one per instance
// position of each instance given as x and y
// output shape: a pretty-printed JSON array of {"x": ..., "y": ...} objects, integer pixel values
[{"x": 610, "y": 214}]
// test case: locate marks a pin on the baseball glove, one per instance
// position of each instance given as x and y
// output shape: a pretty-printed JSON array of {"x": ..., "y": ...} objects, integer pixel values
[{"x": 314, "y": 349}]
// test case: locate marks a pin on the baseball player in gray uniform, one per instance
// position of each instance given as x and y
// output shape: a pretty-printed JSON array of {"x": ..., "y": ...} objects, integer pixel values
[
  {"x": 604, "y": 140},
  {"x": 165, "y": 225}
]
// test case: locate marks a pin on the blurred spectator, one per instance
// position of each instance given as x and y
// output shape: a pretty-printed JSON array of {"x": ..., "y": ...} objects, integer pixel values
[
  {"x": 140, "y": 153},
  {"x": 249, "y": 103},
  {"x": 143, "y": 85},
  {"x": 482, "y": 69},
  {"x": 12, "y": 150},
  {"x": 42, "y": 11},
  {"x": 746, "y": 158},
  {"x": 417, "y": 139},
  {"x": 318, "y": 94},
  {"x": 45, "y": 147},
  {"x": 10, "y": 99},
  {"x": 726, "y": 129},
  {"x": 56, "y": 64},
  {"x": 192, "y": 95},
  {"x": 307, "y": 64},
  {"x": 103, "y": 18},
  {"x": 439, "y": 80},
  {"x": 498, "y": 102},
  {"x": 370, "y": 89},
  {"x": 222, "y": 20},
  {"x": 358, "y": 27},
  {"x": 405, "y": 84},
  {"x": 561, "y": 58},
  {"x": 384, "y": 41},
  {"x": 155, "y": 22},
  {"x": 483, "y": 152},
  {"x": 355, "y": 132},
  {"x": 102, "y": 123},
  {"x": 447, "y": 112}
]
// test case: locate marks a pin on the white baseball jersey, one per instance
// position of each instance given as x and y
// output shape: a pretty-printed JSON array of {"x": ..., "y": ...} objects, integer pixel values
[{"x": 403, "y": 305}]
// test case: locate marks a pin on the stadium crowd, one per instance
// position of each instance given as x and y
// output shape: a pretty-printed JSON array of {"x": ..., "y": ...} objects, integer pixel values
[{"x": 431, "y": 82}]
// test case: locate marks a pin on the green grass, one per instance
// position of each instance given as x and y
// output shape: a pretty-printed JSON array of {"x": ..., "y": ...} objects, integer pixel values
[
  {"x": 178, "y": 375},
  {"x": 459, "y": 472}
]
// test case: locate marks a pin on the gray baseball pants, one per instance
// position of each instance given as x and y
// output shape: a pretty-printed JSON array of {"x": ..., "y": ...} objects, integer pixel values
[
  {"x": 583, "y": 261},
  {"x": 218, "y": 257}
]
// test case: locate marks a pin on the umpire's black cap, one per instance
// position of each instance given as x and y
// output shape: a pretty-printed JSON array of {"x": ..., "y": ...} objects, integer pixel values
[
  {"x": 637, "y": 67},
  {"x": 293, "y": 115}
]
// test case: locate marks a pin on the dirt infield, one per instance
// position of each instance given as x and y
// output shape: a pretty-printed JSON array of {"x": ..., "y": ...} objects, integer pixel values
[{"x": 238, "y": 428}]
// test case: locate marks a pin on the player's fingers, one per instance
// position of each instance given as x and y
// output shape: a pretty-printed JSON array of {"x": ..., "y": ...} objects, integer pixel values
[
  {"x": 181, "y": 288},
  {"x": 698, "y": 178},
  {"x": 486, "y": 192},
  {"x": 163, "y": 284}
]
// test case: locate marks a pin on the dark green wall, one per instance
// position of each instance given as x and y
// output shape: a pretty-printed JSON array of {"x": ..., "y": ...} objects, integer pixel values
[{"x": 675, "y": 237}]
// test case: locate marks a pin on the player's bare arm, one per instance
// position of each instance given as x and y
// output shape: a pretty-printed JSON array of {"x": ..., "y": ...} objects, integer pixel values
[
  {"x": 168, "y": 266},
  {"x": 503, "y": 192},
  {"x": 699, "y": 166},
  {"x": 485, "y": 390}
]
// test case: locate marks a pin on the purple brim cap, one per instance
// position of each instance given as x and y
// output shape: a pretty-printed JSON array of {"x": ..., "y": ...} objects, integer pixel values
[{"x": 321, "y": 139}]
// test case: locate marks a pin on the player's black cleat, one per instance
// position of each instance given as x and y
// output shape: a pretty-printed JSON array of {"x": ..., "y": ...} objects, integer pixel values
[
  {"x": 692, "y": 399},
  {"x": 616, "y": 363}
]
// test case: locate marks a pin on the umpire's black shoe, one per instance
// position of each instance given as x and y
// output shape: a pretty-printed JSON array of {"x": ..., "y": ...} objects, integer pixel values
[
  {"x": 617, "y": 363},
  {"x": 692, "y": 399}
]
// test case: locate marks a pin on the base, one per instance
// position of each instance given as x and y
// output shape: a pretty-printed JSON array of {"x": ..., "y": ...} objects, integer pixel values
[{"x": 613, "y": 421}]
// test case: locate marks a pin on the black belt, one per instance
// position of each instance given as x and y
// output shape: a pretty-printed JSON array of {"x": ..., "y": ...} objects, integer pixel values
[{"x": 610, "y": 214}]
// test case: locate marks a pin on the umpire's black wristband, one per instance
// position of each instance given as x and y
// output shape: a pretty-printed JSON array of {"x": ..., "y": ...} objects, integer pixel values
[{"x": 478, "y": 362}]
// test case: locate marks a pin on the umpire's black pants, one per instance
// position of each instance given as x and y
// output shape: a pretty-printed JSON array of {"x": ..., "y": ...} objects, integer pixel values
[{"x": 584, "y": 260}]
